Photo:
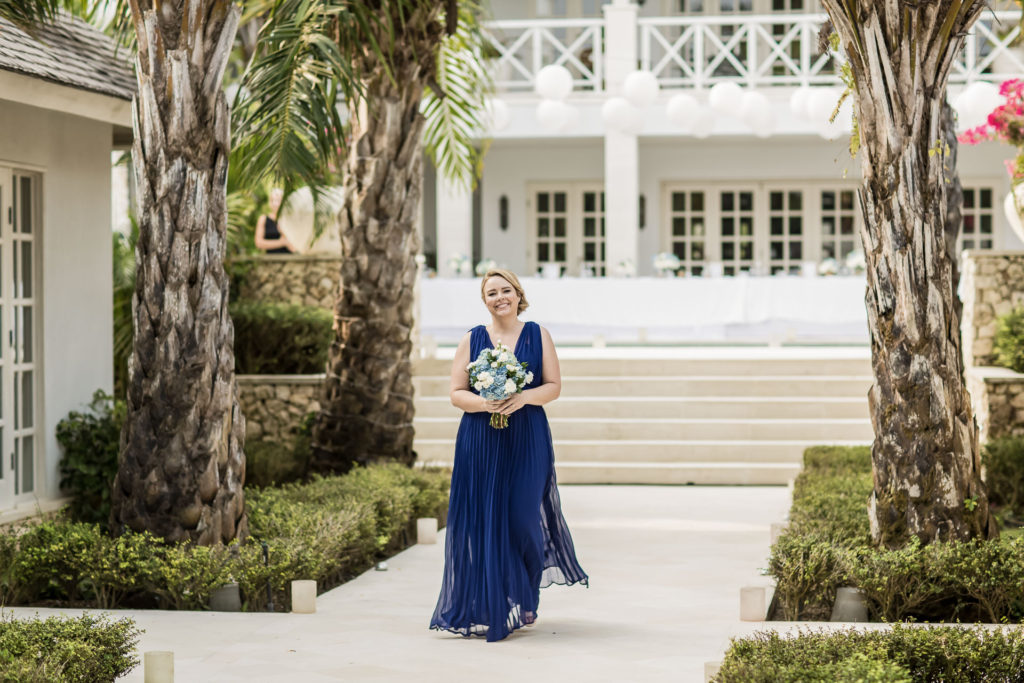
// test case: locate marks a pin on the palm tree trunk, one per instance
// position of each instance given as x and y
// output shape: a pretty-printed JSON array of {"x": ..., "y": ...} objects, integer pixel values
[
  {"x": 367, "y": 401},
  {"x": 925, "y": 456},
  {"x": 182, "y": 465}
]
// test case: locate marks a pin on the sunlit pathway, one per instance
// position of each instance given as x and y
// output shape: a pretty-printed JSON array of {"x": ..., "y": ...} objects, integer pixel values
[{"x": 666, "y": 564}]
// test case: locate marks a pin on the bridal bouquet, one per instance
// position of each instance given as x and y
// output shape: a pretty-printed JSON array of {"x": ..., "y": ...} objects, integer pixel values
[{"x": 496, "y": 374}]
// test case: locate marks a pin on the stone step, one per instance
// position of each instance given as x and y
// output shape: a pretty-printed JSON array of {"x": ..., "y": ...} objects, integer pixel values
[
  {"x": 757, "y": 407},
  {"x": 684, "y": 366},
  {"x": 681, "y": 429},
  {"x": 730, "y": 474},
  {"x": 626, "y": 452},
  {"x": 688, "y": 385}
]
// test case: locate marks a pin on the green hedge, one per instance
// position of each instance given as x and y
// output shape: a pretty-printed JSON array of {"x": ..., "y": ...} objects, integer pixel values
[
  {"x": 948, "y": 654},
  {"x": 329, "y": 529},
  {"x": 1009, "y": 340},
  {"x": 84, "y": 649},
  {"x": 90, "y": 444},
  {"x": 1003, "y": 460},
  {"x": 280, "y": 339},
  {"x": 828, "y": 545}
]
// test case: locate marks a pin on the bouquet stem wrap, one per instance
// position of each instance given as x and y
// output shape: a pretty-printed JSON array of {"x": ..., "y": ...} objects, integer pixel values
[{"x": 499, "y": 421}]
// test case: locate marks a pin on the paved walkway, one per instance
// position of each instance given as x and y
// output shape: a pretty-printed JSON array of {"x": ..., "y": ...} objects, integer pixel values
[{"x": 666, "y": 565}]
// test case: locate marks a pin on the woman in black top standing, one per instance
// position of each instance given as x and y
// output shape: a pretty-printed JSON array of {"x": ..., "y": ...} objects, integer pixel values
[{"x": 268, "y": 237}]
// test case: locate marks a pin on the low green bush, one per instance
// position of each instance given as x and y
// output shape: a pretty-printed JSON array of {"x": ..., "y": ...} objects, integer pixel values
[
  {"x": 328, "y": 529},
  {"x": 828, "y": 544},
  {"x": 1003, "y": 459},
  {"x": 1009, "y": 340},
  {"x": 84, "y": 649},
  {"x": 948, "y": 654},
  {"x": 280, "y": 339},
  {"x": 270, "y": 462},
  {"x": 90, "y": 443}
]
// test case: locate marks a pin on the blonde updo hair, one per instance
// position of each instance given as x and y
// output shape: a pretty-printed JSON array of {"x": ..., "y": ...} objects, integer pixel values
[{"x": 511, "y": 278}]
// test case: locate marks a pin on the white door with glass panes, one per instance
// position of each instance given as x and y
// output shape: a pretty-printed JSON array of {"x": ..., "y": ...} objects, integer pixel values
[
  {"x": 979, "y": 219},
  {"x": 19, "y": 221},
  {"x": 712, "y": 224},
  {"x": 567, "y": 228}
]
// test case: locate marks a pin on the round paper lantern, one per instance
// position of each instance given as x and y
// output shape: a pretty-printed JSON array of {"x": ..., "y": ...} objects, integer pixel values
[
  {"x": 984, "y": 99},
  {"x": 703, "y": 123},
  {"x": 553, "y": 115},
  {"x": 827, "y": 130},
  {"x": 756, "y": 111},
  {"x": 553, "y": 82},
  {"x": 640, "y": 88},
  {"x": 822, "y": 103},
  {"x": 619, "y": 114},
  {"x": 725, "y": 97},
  {"x": 798, "y": 102},
  {"x": 572, "y": 118},
  {"x": 497, "y": 114},
  {"x": 682, "y": 111},
  {"x": 962, "y": 106}
]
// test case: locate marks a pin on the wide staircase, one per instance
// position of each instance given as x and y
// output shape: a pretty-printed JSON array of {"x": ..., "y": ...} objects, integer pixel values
[{"x": 717, "y": 416}]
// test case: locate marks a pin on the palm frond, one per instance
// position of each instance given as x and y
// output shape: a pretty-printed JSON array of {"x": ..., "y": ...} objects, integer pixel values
[
  {"x": 29, "y": 13},
  {"x": 454, "y": 115},
  {"x": 287, "y": 119}
]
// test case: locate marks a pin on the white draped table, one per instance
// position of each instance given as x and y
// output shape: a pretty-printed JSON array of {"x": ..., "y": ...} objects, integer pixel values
[{"x": 746, "y": 308}]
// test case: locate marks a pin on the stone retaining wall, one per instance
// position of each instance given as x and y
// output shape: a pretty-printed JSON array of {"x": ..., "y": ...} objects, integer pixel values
[
  {"x": 992, "y": 284},
  {"x": 997, "y": 395},
  {"x": 292, "y": 279},
  {"x": 274, "y": 405}
]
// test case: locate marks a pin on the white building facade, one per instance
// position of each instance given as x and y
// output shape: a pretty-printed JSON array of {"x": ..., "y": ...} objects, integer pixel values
[
  {"x": 761, "y": 184},
  {"x": 65, "y": 104}
]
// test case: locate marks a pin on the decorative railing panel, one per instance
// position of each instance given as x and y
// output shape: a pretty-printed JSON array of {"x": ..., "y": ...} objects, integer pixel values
[
  {"x": 523, "y": 48},
  {"x": 754, "y": 50}
]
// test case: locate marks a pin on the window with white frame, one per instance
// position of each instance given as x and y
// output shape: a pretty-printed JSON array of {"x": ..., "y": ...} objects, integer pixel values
[
  {"x": 688, "y": 218},
  {"x": 593, "y": 232},
  {"x": 736, "y": 227},
  {"x": 838, "y": 223},
  {"x": 568, "y": 222},
  {"x": 977, "y": 230},
  {"x": 785, "y": 231}
]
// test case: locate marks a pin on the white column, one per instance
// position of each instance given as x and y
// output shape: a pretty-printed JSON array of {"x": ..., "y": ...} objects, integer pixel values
[
  {"x": 621, "y": 154},
  {"x": 454, "y": 223}
]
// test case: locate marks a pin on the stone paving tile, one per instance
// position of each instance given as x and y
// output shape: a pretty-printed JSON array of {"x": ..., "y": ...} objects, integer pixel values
[{"x": 666, "y": 564}]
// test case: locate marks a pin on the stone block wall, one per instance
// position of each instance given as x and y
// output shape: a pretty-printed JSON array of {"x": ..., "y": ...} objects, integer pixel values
[
  {"x": 992, "y": 284},
  {"x": 997, "y": 395},
  {"x": 274, "y": 405},
  {"x": 292, "y": 278}
]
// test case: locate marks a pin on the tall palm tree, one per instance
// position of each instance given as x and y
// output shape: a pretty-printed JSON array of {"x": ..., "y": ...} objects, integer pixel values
[
  {"x": 926, "y": 466},
  {"x": 388, "y": 62},
  {"x": 28, "y": 13},
  {"x": 182, "y": 466}
]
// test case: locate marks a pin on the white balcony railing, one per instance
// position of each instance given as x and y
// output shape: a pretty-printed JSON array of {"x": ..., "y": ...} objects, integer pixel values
[
  {"x": 525, "y": 47},
  {"x": 696, "y": 52}
]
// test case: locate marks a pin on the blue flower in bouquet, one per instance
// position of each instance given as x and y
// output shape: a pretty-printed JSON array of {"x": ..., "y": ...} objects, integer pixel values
[{"x": 497, "y": 374}]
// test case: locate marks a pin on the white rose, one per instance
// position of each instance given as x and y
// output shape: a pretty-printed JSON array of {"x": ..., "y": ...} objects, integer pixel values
[
  {"x": 511, "y": 368},
  {"x": 489, "y": 381},
  {"x": 469, "y": 367},
  {"x": 529, "y": 377},
  {"x": 510, "y": 387},
  {"x": 502, "y": 357},
  {"x": 494, "y": 365},
  {"x": 478, "y": 386}
]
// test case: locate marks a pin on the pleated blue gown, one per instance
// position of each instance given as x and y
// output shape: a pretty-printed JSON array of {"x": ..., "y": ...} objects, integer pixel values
[{"x": 506, "y": 537}]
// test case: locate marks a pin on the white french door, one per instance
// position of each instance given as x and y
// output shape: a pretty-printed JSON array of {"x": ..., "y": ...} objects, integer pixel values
[
  {"x": 567, "y": 227},
  {"x": 19, "y": 220}
]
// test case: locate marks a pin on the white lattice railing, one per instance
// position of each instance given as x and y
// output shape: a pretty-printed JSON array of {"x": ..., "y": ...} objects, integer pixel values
[
  {"x": 755, "y": 50},
  {"x": 525, "y": 47}
]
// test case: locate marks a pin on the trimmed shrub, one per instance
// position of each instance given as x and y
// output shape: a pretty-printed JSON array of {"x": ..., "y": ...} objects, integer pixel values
[
  {"x": 327, "y": 530},
  {"x": 90, "y": 443},
  {"x": 1003, "y": 459},
  {"x": 280, "y": 339},
  {"x": 940, "y": 653},
  {"x": 1009, "y": 340},
  {"x": 84, "y": 649},
  {"x": 828, "y": 545}
]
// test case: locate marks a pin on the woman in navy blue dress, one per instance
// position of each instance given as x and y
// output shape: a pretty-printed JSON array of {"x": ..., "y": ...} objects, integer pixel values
[{"x": 506, "y": 537}]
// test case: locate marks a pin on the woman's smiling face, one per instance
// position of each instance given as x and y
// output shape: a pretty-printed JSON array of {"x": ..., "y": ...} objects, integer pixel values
[{"x": 501, "y": 297}]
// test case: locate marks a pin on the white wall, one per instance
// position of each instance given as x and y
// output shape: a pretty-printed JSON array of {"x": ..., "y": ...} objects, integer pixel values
[
  {"x": 511, "y": 164},
  {"x": 73, "y": 155},
  {"x": 508, "y": 167}
]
